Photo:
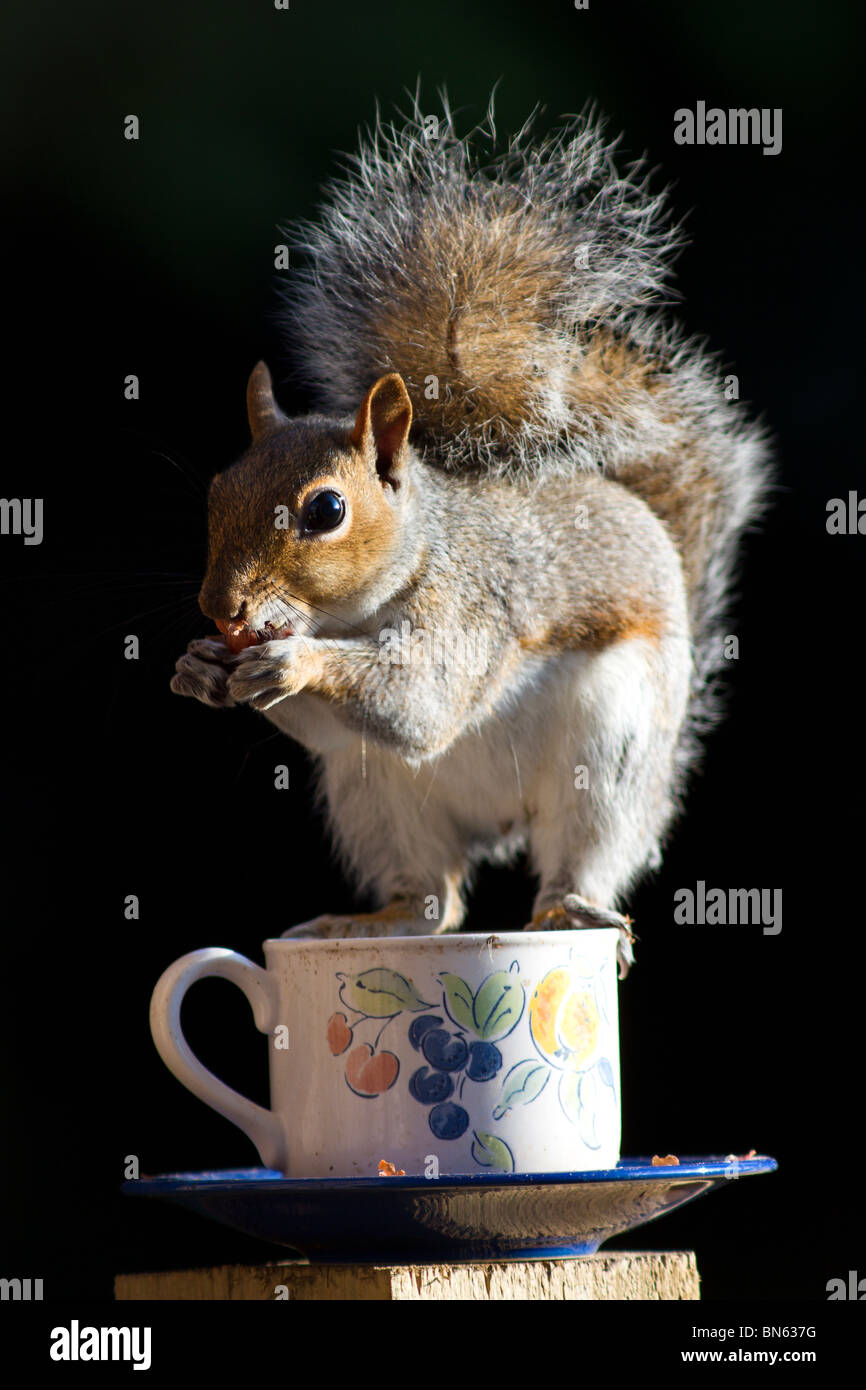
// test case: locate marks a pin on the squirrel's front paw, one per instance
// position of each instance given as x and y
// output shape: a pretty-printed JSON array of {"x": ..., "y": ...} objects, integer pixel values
[
  {"x": 267, "y": 673},
  {"x": 199, "y": 673}
]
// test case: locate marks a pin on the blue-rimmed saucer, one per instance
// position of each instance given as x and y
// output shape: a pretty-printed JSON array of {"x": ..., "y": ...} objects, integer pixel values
[{"x": 414, "y": 1220}]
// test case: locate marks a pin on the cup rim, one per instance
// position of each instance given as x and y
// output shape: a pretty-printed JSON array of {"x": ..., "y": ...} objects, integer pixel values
[{"x": 476, "y": 940}]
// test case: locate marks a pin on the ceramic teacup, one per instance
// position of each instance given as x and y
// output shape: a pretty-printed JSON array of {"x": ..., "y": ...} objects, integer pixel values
[{"x": 442, "y": 1055}]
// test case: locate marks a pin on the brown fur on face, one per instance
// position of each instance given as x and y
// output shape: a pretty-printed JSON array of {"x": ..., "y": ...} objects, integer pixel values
[{"x": 252, "y": 561}]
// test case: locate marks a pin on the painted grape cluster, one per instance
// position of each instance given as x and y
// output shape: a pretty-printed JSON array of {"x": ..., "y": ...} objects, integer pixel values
[
  {"x": 456, "y": 1042},
  {"x": 450, "y": 1059},
  {"x": 377, "y": 997}
]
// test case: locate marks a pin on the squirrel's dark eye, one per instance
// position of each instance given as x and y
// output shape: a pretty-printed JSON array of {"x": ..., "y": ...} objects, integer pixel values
[{"x": 325, "y": 512}]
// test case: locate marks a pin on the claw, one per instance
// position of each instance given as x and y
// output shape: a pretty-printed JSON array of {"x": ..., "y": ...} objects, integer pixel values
[
  {"x": 587, "y": 914},
  {"x": 575, "y": 911}
]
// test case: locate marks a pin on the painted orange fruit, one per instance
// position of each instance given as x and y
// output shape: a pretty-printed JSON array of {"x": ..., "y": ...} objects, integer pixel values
[
  {"x": 545, "y": 1006},
  {"x": 577, "y": 1026},
  {"x": 563, "y": 1020}
]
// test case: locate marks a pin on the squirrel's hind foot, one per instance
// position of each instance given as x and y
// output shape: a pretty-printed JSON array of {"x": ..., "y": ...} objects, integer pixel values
[
  {"x": 575, "y": 911},
  {"x": 397, "y": 919}
]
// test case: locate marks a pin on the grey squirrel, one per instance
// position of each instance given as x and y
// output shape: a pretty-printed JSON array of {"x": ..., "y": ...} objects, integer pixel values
[{"x": 486, "y": 587}]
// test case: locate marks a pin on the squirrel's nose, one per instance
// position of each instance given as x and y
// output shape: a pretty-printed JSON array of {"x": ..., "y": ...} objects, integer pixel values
[{"x": 218, "y": 603}]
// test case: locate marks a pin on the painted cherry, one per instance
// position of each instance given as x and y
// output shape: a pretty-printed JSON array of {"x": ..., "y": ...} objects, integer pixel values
[
  {"x": 369, "y": 1073},
  {"x": 339, "y": 1034}
]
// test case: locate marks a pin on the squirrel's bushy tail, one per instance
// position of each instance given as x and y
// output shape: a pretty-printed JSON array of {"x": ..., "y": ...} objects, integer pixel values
[
  {"x": 475, "y": 278},
  {"x": 513, "y": 291}
]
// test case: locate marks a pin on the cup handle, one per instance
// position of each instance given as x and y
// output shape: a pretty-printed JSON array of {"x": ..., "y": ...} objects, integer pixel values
[{"x": 261, "y": 989}]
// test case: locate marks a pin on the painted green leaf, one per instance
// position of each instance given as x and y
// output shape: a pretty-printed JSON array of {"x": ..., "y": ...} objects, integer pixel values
[
  {"x": 498, "y": 1006},
  {"x": 458, "y": 1000},
  {"x": 522, "y": 1085},
  {"x": 381, "y": 994},
  {"x": 490, "y": 1152}
]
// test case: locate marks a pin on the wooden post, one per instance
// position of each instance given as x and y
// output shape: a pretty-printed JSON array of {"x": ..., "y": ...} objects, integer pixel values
[{"x": 647, "y": 1275}]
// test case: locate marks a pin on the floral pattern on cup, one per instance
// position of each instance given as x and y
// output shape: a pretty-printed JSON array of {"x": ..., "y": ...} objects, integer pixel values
[
  {"x": 565, "y": 1015},
  {"x": 381, "y": 996},
  {"x": 457, "y": 1046}
]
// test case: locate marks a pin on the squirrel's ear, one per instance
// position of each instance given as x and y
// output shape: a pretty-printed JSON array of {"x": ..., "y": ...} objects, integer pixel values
[
  {"x": 383, "y": 424},
  {"x": 263, "y": 412}
]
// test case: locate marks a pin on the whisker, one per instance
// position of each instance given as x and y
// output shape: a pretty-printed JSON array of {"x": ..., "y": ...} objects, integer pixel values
[
  {"x": 104, "y": 578},
  {"x": 125, "y": 621},
  {"x": 267, "y": 739},
  {"x": 280, "y": 596},
  {"x": 183, "y": 466}
]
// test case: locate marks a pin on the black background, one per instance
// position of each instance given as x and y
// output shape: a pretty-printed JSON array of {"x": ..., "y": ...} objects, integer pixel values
[{"x": 155, "y": 258}]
